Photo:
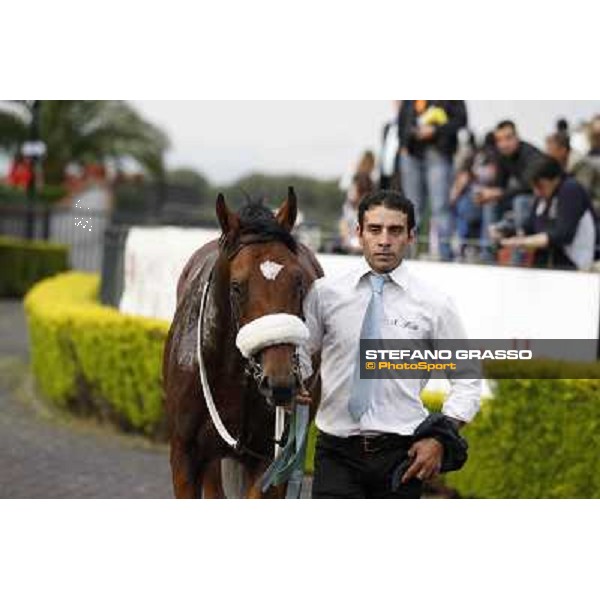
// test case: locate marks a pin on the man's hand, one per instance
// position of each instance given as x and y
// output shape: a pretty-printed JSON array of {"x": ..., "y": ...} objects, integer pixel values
[
  {"x": 513, "y": 242},
  {"x": 494, "y": 233},
  {"x": 426, "y": 460},
  {"x": 485, "y": 195},
  {"x": 461, "y": 181},
  {"x": 303, "y": 396},
  {"x": 425, "y": 132}
]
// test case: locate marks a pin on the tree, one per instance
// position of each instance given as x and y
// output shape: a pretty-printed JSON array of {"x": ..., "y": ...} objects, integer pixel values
[
  {"x": 83, "y": 131},
  {"x": 319, "y": 200},
  {"x": 191, "y": 178}
]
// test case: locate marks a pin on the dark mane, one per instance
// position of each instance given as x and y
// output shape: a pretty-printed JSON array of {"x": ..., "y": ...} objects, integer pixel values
[{"x": 259, "y": 222}]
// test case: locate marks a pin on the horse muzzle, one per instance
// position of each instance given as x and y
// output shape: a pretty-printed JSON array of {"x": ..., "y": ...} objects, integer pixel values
[
  {"x": 278, "y": 396},
  {"x": 275, "y": 336}
]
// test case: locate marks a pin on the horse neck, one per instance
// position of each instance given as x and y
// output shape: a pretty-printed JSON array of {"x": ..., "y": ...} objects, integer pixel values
[{"x": 223, "y": 327}]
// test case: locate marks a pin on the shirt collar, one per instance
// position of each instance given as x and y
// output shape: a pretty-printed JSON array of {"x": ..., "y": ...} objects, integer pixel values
[{"x": 399, "y": 275}]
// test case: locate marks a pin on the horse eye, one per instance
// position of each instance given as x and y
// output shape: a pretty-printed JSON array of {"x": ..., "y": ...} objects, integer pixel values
[{"x": 238, "y": 291}]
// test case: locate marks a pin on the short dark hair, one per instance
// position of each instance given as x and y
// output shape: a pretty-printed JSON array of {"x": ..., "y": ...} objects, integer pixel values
[
  {"x": 506, "y": 123},
  {"x": 489, "y": 141},
  {"x": 544, "y": 167},
  {"x": 561, "y": 139},
  {"x": 562, "y": 125},
  {"x": 388, "y": 199}
]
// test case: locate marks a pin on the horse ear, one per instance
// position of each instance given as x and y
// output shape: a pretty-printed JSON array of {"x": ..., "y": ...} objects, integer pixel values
[
  {"x": 229, "y": 221},
  {"x": 288, "y": 211}
]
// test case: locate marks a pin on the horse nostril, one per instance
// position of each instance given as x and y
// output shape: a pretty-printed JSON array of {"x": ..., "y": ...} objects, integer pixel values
[{"x": 282, "y": 395}]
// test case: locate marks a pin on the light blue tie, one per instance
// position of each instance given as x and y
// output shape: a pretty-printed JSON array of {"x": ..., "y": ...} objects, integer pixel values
[{"x": 364, "y": 389}]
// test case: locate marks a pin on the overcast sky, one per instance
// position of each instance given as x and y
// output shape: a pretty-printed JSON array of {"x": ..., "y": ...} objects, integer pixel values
[{"x": 227, "y": 139}]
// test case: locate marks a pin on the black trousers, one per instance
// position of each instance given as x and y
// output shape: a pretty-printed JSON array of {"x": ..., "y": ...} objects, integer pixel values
[{"x": 361, "y": 467}]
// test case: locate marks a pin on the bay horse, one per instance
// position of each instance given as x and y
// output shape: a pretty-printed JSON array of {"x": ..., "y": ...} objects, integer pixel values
[{"x": 249, "y": 286}]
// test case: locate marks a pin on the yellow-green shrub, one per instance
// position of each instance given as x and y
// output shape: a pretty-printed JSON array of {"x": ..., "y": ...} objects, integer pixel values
[
  {"x": 91, "y": 357},
  {"x": 25, "y": 262},
  {"x": 534, "y": 439}
]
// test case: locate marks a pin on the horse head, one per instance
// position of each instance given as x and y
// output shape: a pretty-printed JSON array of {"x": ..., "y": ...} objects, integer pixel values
[{"x": 266, "y": 281}]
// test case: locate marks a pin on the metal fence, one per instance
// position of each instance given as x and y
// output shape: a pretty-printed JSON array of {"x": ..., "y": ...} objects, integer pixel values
[{"x": 81, "y": 229}]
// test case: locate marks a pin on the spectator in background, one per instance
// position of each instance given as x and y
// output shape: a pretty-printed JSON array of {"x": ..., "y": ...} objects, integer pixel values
[
  {"x": 362, "y": 185},
  {"x": 366, "y": 165},
  {"x": 582, "y": 168},
  {"x": 561, "y": 226},
  {"x": 510, "y": 196},
  {"x": 594, "y": 138},
  {"x": 478, "y": 169},
  {"x": 562, "y": 126},
  {"x": 20, "y": 173},
  {"x": 579, "y": 136},
  {"x": 465, "y": 149},
  {"x": 389, "y": 160},
  {"x": 428, "y": 139}
]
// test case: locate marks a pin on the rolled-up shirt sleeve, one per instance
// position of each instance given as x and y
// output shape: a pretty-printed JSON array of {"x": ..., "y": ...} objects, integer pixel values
[
  {"x": 464, "y": 399},
  {"x": 314, "y": 322}
]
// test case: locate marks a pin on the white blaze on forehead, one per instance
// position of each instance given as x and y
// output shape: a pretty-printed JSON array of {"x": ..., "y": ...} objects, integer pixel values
[{"x": 270, "y": 269}]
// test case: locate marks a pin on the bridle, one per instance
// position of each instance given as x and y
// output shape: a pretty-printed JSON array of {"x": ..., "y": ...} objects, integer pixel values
[{"x": 253, "y": 369}]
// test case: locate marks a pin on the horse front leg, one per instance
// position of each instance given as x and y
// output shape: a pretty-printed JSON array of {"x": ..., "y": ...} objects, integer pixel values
[
  {"x": 184, "y": 470},
  {"x": 211, "y": 482}
]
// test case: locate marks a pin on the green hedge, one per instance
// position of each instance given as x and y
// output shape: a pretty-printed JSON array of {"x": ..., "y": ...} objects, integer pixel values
[
  {"x": 12, "y": 196},
  {"x": 93, "y": 359},
  {"x": 534, "y": 439},
  {"x": 48, "y": 194},
  {"x": 23, "y": 263}
]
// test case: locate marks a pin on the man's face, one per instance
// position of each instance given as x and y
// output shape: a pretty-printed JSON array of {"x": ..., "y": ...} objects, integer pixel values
[
  {"x": 544, "y": 188},
  {"x": 557, "y": 152},
  {"x": 507, "y": 141},
  {"x": 384, "y": 238}
]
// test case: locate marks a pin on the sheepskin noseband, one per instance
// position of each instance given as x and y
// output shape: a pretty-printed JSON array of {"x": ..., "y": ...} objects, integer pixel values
[{"x": 279, "y": 328}]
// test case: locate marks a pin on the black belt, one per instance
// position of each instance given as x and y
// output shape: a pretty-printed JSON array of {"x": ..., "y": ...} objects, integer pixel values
[{"x": 369, "y": 443}]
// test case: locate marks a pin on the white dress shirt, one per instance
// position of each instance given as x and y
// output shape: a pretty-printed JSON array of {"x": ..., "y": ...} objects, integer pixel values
[{"x": 334, "y": 308}]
